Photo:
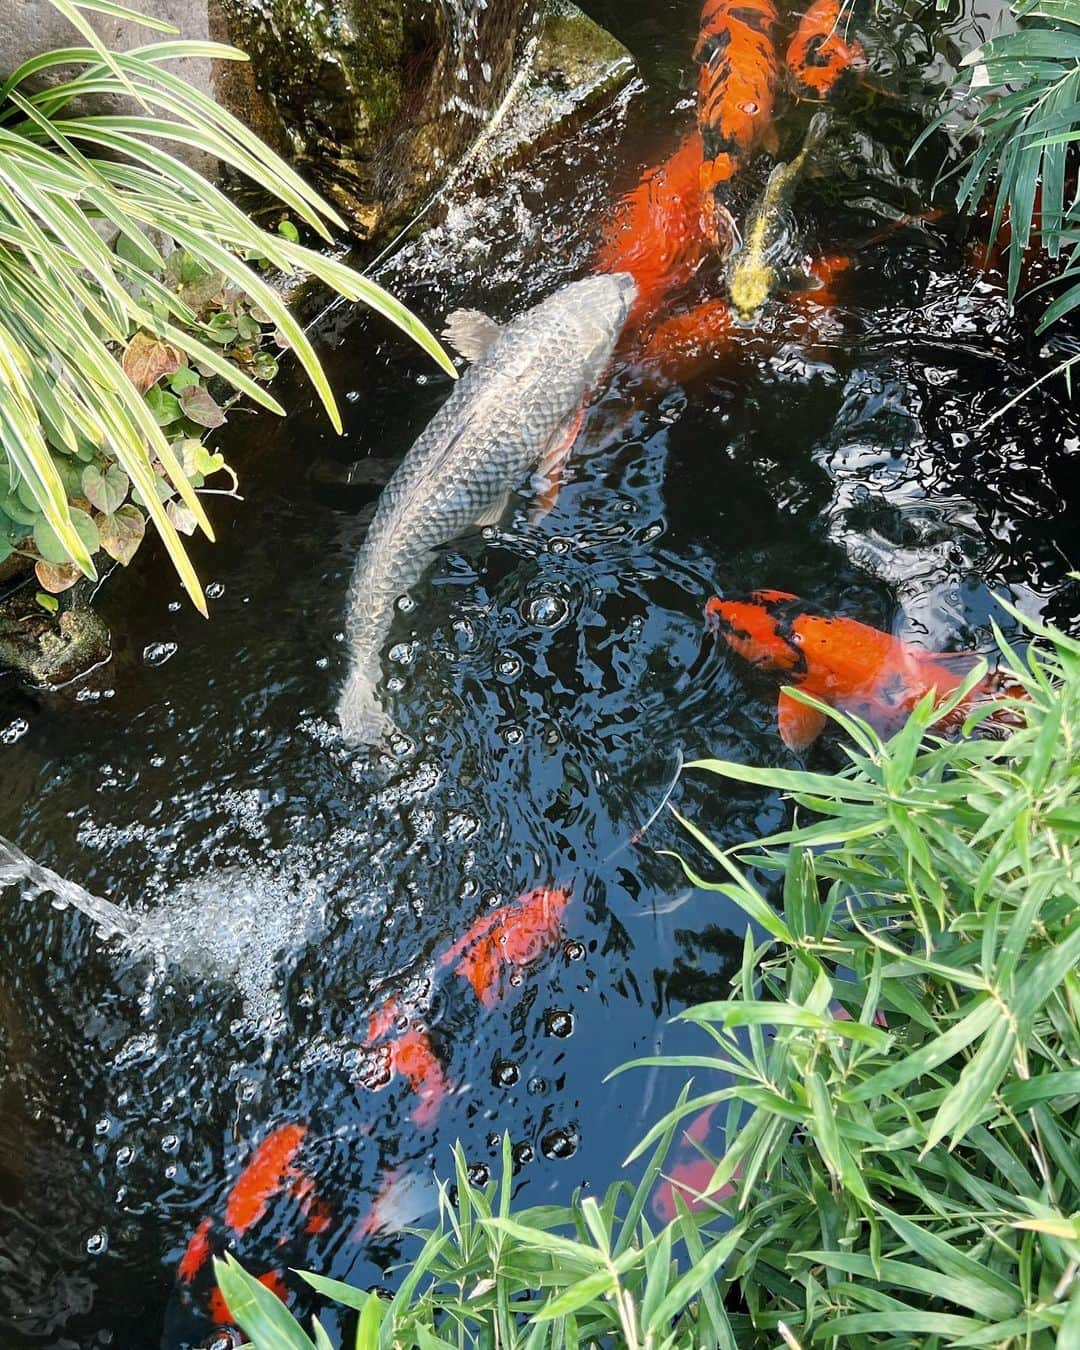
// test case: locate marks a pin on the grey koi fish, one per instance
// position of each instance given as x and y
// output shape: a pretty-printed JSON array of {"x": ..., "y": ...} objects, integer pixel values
[{"x": 517, "y": 408}]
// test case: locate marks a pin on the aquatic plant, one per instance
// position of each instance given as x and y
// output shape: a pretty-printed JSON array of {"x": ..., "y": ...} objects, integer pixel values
[
  {"x": 897, "y": 1067},
  {"x": 109, "y": 353}
]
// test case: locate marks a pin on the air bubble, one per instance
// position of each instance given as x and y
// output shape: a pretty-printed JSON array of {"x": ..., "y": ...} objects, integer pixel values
[
  {"x": 97, "y": 1244},
  {"x": 157, "y": 653},
  {"x": 536, "y": 1087},
  {"x": 14, "y": 731},
  {"x": 170, "y": 1144},
  {"x": 559, "y": 1022},
  {"x": 478, "y": 1174},
  {"x": 522, "y": 1154},
  {"x": 215, "y": 590},
  {"x": 505, "y": 1073},
  {"x": 508, "y": 665},
  {"x": 558, "y": 1145},
  {"x": 513, "y": 735},
  {"x": 574, "y": 951},
  {"x": 545, "y": 610}
]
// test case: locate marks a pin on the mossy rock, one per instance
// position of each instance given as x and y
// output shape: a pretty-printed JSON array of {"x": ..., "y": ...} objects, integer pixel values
[
  {"x": 577, "y": 69},
  {"x": 51, "y": 649}
]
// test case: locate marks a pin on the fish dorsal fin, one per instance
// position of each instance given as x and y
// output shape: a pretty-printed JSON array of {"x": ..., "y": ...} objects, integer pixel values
[
  {"x": 470, "y": 332},
  {"x": 799, "y": 724}
]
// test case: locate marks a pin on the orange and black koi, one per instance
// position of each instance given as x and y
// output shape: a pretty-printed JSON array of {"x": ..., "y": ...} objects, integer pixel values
[
  {"x": 820, "y": 63},
  {"x": 657, "y": 232},
  {"x": 511, "y": 937},
  {"x": 737, "y": 78},
  {"x": 846, "y": 664}
]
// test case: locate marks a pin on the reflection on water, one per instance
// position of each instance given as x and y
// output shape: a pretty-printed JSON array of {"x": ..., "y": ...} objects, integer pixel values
[{"x": 545, "y": 677}]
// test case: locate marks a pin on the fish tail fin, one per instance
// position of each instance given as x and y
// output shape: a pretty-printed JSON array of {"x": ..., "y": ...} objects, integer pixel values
[{"x": 363, "y": 721}]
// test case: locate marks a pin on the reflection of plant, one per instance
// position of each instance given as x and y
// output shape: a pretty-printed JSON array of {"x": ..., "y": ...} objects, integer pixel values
[
  {"x": 175, "y": 298},
  {"x": 897, "y": 1068}
]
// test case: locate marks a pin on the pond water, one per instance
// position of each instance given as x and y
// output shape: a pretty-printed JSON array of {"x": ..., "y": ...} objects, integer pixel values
[{"x": 547, "y": 675}]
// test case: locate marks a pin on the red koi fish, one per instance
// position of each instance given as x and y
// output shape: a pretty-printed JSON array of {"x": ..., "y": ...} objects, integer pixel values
[
  {"x": 658, "y": 231},
  {"x": 691, "y": 1176},
  {"x": 739, "y": 69},
  {"x": 270, "y": 1171},
  {"x": 406, "y": 1052},
  {"x": 514, "y": 935},
  {"x": 218, "y": 1309},
  {"x": 681, "y": 348},
  {"x": 849, "y": 665},
  {"x": 819, "y": 61}
]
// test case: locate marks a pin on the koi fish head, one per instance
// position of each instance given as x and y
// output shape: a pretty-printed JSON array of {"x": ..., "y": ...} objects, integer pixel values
[
  {"x": 750, "y": 287},
  {"x": 759, "y": 630}
]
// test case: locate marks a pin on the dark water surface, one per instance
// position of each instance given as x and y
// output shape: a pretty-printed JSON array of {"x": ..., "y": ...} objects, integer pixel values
[{"x": 547, "y": 675}]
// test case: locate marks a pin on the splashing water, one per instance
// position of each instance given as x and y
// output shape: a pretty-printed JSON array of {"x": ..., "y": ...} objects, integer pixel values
[{"x": 16, "y": 869}]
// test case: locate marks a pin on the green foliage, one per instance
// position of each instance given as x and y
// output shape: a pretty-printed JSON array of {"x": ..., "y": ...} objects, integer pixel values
[
  {"x": 1028, "y": 85},
  {"x": 589, "y": 1273},
  {"x": 180, "y": 298},
  {"x": 898, "y": 1065}
]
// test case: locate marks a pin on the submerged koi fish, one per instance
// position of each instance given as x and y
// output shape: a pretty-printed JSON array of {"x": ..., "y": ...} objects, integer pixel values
[
  {"x": 658, "y": 231},
  {"x": 406, "y": 1052},
  {"x": 218, "y": 1309},
  {"x": 819, "y": 61},
  {"x": 754, "y": 274},
  {"x": 849, "y": 665},
  {"x": 514, "y": 935},
  {"x": 271, "y": 1171},
  {"x": 517, "y": 407},
  {"x": 690, "y": 1176},
  {"x": 739, "y": 69}
]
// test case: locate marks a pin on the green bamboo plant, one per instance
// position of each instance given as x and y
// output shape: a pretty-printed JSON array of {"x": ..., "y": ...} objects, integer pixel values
[
  {"x": 89, "y": 330},
  {"x": 896, "y": 1071}
]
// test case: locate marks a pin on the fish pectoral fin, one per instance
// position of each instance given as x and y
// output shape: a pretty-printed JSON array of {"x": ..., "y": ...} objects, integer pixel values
[
  {"x": 470, "y": 332},
  {"x": 492, "y": 514},
  {"x": 547, "y": 480},
  {"x": 795, "y": 281},
  {"x": 799, "y": 724}
]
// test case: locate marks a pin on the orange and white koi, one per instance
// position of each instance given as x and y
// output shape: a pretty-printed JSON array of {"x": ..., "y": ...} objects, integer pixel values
[
  {"x": 658, "y": 230},
  {"x": 820, "y": 63},
  {"x": 513, "y": 936},
  {"x": 846, "y": 664},
  {"x": 737, "y": 79}
]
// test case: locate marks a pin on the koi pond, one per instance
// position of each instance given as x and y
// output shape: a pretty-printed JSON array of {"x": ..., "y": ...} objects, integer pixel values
[{"x": 548, "y": 677}]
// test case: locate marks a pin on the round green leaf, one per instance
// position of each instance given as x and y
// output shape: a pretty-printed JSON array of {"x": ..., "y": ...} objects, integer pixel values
[
  {"x": 49, "y": 545},
  {"x": 105, "y": 490},
  {"x": 13, "y": 508},
  {"x": 164, "y": 406}
]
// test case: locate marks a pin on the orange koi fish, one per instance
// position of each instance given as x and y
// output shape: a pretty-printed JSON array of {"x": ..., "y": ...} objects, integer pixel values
[
  {"x": 739, "y": 68},
  {"x": 218, "y": 1309},
  {"x": 658, "y": 231},
  {"x": 819, "y": 61},
  {"x": 691, "y": 1176},
  {"x": 849, "y": 665},
  {"x": 270, "y": 1171},
  {"x": 681, "y": 348},
  {"x": 514, "y": 935},
  {"x": 196, "y": 1253},
  {"x": 407, "y": 1052}
]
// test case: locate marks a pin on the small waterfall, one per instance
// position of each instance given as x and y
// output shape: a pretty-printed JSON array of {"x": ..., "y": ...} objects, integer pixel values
[{"x": 16, "y": 869}]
